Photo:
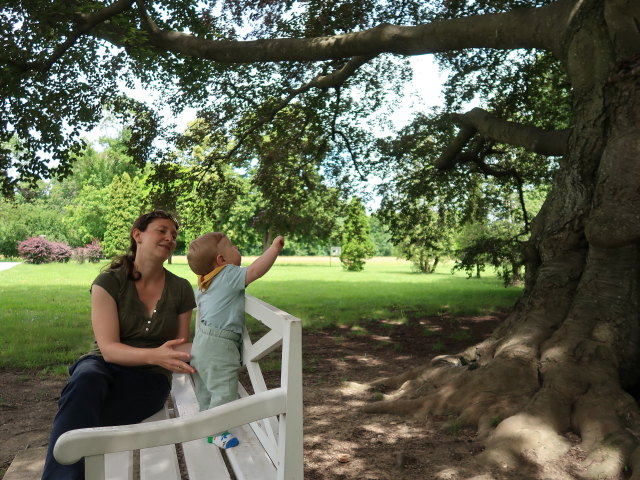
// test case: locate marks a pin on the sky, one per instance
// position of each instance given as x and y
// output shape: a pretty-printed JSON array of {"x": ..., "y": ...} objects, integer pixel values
[{"x": 423, "y": 92}]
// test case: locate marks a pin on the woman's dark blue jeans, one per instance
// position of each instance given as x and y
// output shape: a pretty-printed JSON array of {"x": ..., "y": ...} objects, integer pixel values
[{"x": 102, "y": 394}]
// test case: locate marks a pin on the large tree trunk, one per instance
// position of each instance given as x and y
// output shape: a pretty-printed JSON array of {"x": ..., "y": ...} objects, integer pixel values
[{"x": 568, "y": 355}]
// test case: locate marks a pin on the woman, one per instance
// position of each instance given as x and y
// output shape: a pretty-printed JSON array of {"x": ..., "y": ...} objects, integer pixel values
[{"x": 140, "y": 315}]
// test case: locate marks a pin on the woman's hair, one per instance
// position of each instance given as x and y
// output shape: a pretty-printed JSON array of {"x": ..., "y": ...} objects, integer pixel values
[
  {"x": 203, "y": 251},
  {"x": 141, "y": 223}
]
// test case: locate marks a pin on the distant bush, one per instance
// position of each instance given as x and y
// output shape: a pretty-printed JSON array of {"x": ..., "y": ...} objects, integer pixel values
[
  {"x": 91, "y": 252},
  {"x": 36, "y": 250},
  {"x": 41, "y": 250},
  {"x": 60, "y": 252}
]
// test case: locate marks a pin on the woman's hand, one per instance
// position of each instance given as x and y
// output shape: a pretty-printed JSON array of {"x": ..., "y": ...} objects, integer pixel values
[{"x": 172, "y": 358}]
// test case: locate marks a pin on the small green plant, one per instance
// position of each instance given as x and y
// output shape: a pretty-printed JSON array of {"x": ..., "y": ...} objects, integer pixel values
[
  {"x": 270, "y": 365},
  {"x": 339, "y": 339},
  {"x": 461, "y": 335},
  {"x": 495, "y": 421},
  {"x": 378, "y": 396},
  {"x": 357, "y": 330},
  {"x": 454, "y": 427},
  {"x": 310, "y": 364},
  {"x": 437, "y": 347},
  {"x": 427, "y": 332}
]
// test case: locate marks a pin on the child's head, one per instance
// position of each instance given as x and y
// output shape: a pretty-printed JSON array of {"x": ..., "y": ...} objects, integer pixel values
[{"x": 210, "y": 251}]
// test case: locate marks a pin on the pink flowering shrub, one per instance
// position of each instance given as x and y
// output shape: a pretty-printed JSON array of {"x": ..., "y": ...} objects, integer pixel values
[
  {"x": 91, "y": 252},
  {"x": 41, "y": 250},
  {"x": 35, "y": 250},
  {"x": 60, "y": 252}
]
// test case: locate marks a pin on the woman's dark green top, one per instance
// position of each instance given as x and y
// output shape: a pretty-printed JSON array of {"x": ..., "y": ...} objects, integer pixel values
[{"x": 137, "y": 329}]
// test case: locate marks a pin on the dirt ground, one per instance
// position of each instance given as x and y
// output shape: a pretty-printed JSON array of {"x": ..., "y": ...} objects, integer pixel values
[{"x": 341, "y": 443}]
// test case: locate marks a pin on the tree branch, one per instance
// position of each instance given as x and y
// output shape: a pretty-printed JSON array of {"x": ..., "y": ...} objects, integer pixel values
[
  {"x": 354, "y": 157},
  {"x": 452, "y": 153},
  {"x": 86, "y": 22},
  {"x": 533, "y": 139},
  {"x": 530, "y": 28},
  {"x": 511, "y": 172},
  {"x": 335, "y": 79}
]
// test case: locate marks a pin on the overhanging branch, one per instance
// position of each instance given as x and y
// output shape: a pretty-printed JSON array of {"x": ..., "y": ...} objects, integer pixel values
[
  {"x": 85, "y": 23},
  {"x": 529, "y": 28},
  {"x": 491, "y": 127},
  {"x": 335, "y": 80},
  {"x": 533, "y": 139}
]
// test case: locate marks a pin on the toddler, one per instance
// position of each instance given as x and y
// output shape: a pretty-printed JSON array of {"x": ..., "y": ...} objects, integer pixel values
[{"x": 215, "y": 353}]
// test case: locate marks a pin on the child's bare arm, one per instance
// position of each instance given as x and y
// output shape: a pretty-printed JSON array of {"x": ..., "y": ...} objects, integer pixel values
[{"x": 263, "y": 263}]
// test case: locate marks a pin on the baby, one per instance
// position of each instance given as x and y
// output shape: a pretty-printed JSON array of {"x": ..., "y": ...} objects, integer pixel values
[{"x": 215, "y": 353}]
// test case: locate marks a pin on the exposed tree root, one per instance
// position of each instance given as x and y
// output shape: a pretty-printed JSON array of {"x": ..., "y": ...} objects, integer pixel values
[{"x": 545, "y": 372}]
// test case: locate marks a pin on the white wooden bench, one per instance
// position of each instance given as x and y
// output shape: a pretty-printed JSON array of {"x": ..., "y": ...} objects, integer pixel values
[{"x": 268, "y": 423}]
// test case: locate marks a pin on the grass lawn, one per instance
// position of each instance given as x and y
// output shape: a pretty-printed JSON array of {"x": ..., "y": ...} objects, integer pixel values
[{"x": 45, "y": 308}]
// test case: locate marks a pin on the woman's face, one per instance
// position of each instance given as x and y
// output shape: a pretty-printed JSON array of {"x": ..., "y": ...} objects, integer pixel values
[{"x": 158, "y": 239}]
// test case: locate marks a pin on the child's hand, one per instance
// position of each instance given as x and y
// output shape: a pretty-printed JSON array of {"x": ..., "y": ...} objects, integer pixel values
[{"x": 278, "y": 243}]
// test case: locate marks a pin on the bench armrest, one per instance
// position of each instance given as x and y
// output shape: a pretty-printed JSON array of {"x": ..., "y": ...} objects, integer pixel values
[{"x": 76, "y": 444}]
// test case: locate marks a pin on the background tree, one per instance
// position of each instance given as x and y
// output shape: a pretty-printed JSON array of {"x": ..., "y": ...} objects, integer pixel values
[
  {"x": 86, "y": 215},
  {"x": 293, "y": 197},
  {"x": 125, "y": 205},
  {"x": 274, "y": 187},
  {"x": 356, "y": 241},
  {"x": 380, "y": 237},
  {"x": 565, "y": 356}
]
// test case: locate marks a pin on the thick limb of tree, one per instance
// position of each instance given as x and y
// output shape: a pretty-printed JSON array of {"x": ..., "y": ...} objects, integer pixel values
[
  {"x": 491, "y": 127},
  {"x": 527, "y": 28}
]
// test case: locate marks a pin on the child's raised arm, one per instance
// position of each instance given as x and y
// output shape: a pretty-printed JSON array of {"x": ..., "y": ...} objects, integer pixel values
[{"x": 262, "y": 264}]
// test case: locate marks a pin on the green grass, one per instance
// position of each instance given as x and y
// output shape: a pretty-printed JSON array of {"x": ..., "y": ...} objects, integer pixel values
[{"x": 45, "y": 314}]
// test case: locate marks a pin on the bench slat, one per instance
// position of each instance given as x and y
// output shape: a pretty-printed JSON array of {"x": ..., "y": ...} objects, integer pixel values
[
  {"x": 119, "y": 466},
  {"x": 249, "y": 460},
  {"x": 263, "y": 347},
  {"x": 267, "y": 314},
  {"x": 269, "y": 433},
  {"x": 159, "y": 463},
  {"x": 266, "y": 430},
  {"x": 201, "y": 457}
]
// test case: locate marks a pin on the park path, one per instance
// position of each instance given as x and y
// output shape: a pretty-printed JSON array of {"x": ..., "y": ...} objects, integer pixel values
[{"x": 8, "y": 265}]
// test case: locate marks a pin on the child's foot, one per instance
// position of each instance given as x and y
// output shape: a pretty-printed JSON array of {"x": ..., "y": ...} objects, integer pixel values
[{"x": 224, "y": 440}]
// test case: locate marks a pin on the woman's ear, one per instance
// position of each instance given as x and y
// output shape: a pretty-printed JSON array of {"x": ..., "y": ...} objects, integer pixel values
[{"x": 136, "y": 235}]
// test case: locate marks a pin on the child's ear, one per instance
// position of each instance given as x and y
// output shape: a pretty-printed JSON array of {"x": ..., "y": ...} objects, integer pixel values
[{"x": 220, "y": 260}]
